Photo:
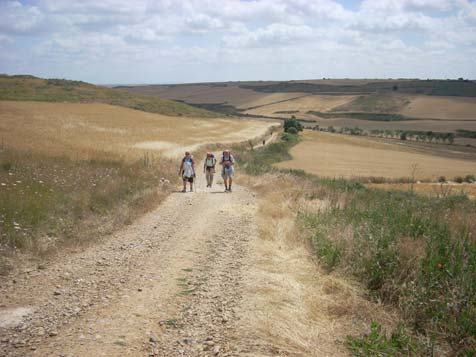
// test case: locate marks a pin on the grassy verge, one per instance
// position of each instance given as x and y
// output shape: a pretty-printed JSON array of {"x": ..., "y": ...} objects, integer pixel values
[
  {"x": 48, "y": 201},
  {"x": 415, "y": 253}
]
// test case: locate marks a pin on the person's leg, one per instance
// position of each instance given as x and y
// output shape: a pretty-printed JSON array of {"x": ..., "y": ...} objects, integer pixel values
[
  {"x": 225, "y": 180},
  {"x": 184, "y": 185},
  {"x": 211, "y": 179},
  {"x": 191, "y": 185},
  {"x": 230, "y": 180}
]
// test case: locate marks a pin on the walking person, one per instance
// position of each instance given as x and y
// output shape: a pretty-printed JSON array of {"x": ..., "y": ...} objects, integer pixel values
[
  {"x": 209, "y": 168},
  {"x": 228, "y": 169},
  {"x": 187, "y": 171}
]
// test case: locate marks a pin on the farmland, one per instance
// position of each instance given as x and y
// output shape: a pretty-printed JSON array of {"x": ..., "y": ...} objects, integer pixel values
[
  {"x": 82, "y": 130},
  {"x": 333, "y": 155},
  {"x": 82, "y": 169}
]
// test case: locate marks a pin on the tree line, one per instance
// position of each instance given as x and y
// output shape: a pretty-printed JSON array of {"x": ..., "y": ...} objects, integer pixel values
[{"x": 416, "y": 135}]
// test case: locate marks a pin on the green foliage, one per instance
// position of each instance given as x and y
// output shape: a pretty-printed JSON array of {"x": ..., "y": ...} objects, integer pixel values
[
  {"x": 466, "y": 133},
  {"x": 376, "y": 343},
  {"x": 361, "y": 116},
  {"x": 293, "y": 123},
  {"x": 42, "y": 195},
  {"x": 256, "y": 162},
  {"x": 470, "y": 178},
  {"x": 328, "y": 253},
  {"x": 458, "y": 179},
  {"x": 409, "y": 250},
  {"x": 432, "y": 282},
  {"x": 60, "y": 90}
]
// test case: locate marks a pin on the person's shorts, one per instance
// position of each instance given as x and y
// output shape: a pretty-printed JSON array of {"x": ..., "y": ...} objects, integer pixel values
[
  {"x": 187, "y": 179},
  {"x": 228, "y": 172}
]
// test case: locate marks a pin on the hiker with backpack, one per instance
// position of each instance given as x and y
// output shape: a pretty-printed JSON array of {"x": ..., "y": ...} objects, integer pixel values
[
  {"x": 228, "y": 170},
  {"x": 187, "y": 171},
  {"x": 209, "y": 168}
]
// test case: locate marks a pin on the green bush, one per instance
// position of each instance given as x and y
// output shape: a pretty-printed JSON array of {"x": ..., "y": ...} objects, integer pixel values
[
  {"x": 292, "y": 130},
  {"x": 458, "y": 179},
  {"x": 469, "y": 178},
  {"x": 292, "y": 123}
]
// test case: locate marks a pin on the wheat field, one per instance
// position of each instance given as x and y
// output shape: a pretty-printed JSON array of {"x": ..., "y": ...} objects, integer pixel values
[
  {"x": 449, "y": 108},
  {"x": 335, "y": 155},
  {"x": 302, "y": 104},
  {"x": 85, "y": 129}
]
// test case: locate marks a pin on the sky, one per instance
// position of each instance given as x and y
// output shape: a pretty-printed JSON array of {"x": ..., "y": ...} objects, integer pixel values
[{"x": 184, "y": 41}]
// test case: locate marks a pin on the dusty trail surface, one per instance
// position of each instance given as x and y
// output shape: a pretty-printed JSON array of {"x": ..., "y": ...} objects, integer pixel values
[
  {"x": 207, "y": 273},
  {"x": 166, "y": 285}
]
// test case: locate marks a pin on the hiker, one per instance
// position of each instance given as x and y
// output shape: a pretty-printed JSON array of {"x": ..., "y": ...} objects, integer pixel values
[
  {"x": 228, "y": 170},
  {"x": 187, "y": 171},
  {"x": 209, "y": 168}
]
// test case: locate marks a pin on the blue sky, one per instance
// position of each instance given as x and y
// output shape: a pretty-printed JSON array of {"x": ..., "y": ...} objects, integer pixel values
[{"x": 169, "y": 41}]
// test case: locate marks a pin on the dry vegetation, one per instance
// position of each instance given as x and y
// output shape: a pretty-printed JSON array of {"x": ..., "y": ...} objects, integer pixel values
[
  {"x": 267, "y": 99},
  {"x": 412, "y": 252},
  {"x": 82, "y": 130},
  {"x": 334, "y": 155},
  {"x": 302, "y": 310},
  {"x": 71, "y": 172},
  {"x": 447, "y": 108},
  {"x": 438, "y": 190},
  {"x": 302, "y": 105},
  {"x": 201, "y": 93},
  {"x": 30, "y": 88}
]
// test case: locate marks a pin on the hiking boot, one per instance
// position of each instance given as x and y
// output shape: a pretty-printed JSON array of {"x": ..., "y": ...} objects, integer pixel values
[
  {"x": 229, "y": 190},
  {"x": 184, "y": 190}
]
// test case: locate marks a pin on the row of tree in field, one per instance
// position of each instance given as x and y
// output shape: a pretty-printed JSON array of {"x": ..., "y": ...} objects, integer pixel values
[{"x": 416, "y": 135}]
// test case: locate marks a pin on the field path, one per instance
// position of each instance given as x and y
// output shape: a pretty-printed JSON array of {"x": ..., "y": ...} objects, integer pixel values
[{"x": 167, "y": 285}]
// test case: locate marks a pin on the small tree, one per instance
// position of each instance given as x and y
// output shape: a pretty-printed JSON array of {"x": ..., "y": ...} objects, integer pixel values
[
  {"x": 292, "y": 123},
  {"x": 403, "y": 135}
]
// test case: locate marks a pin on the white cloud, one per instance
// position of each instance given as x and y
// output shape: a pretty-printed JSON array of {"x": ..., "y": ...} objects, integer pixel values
[{"x": 209, "y": 38}]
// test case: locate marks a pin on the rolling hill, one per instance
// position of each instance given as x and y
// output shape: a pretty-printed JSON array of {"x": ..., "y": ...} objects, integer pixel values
[{"x": 30, "y": 88}]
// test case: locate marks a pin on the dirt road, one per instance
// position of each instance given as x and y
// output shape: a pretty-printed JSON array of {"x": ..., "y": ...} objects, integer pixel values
[
  {"x": 198, "y": 276},
  {"x": 168, "y": 285}
]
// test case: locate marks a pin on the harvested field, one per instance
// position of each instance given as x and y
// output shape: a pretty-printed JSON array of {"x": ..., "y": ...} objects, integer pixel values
[
  {"x": 304, "y": 103},
  {"x": 334, "y": 155},
  {"x": 447, "y": 108},
  {"x": 376, "y": 103},
  {"x": 84, "y": 129},
  {"x": 270, "y": 99}
]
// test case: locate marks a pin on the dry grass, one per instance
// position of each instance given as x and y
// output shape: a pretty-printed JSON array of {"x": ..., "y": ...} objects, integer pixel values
[
  {"x": 202, "y": 93},
  {"x": 298, "y": 309},
  {"x": 430, "y": 189},
  {"x": 303, "y": 104},
  {"x": 268, "y": 99},
  {"x": 82, "y": 130},
  {"x": 449, "y": 108},
  {"x": 71, "y": 173},
  {"x": 333, "y": 155}
]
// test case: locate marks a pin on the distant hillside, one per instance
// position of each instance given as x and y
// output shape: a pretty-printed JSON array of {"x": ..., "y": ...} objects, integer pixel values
[
  {"x": 30, "y": 88},
  {"x": 460, "y": 88}
]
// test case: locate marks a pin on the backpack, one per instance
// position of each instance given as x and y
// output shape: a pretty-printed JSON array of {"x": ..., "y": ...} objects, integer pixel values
[{"x": 214, "y": 161}]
